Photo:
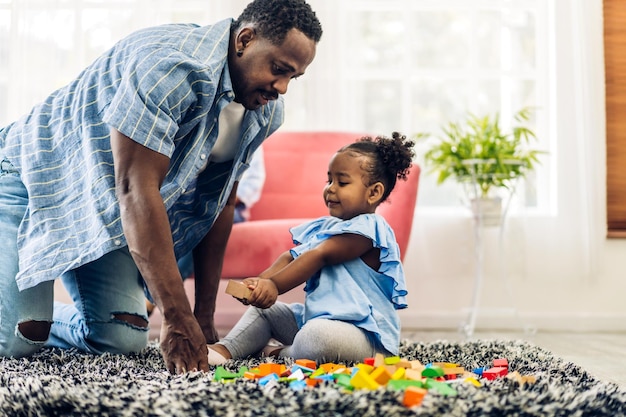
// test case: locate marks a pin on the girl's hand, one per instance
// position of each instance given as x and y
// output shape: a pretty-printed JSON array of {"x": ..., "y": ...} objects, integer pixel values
[{"x": 264, "y": 292}]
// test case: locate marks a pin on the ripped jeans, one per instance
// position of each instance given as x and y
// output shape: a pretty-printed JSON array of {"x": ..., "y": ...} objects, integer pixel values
[{"x": 105, "y": 293}]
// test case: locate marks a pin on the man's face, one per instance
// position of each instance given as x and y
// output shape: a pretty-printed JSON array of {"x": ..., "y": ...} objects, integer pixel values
[{"x": 263, "y": 70}]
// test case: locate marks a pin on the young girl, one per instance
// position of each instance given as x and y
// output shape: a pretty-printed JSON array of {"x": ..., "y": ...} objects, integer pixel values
[{"x": 351, "y": 264}]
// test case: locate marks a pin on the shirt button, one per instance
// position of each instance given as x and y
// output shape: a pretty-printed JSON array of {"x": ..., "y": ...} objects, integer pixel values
[
  {"x": 203, "y": 156},
  {"x": 117, "y": 242}
]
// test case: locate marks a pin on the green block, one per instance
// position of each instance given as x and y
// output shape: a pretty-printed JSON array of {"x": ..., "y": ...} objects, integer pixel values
[
  {"x": 222, "y": 373},
  {"x": 242, "y": 370},
  {"x": 402, "y": 384},
  {"x": 440, "y": 387},
  {"x": 432, "y": 372},
  {"x": 343, "y": 380}
]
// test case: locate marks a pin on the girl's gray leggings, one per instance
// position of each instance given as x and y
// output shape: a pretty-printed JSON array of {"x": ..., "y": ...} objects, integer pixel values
[{"x": 321, "y": 340}]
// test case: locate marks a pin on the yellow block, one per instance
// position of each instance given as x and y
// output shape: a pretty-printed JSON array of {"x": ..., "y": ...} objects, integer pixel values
[
  {"x": 472, "y": 381},
  {"x": 365, "y": 367},
  {"x": 361, "y": 380},
  {"x": 399, "y": 374},
  {"x": 392, "y": 360}
]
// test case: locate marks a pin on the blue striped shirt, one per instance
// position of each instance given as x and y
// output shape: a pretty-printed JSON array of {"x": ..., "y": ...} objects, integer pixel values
[{"x": 163, "y": 87}]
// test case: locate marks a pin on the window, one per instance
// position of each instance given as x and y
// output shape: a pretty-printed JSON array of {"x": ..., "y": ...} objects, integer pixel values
[
  {"x": 415, "y": 65},
  {"x": 382, "y": 65}
]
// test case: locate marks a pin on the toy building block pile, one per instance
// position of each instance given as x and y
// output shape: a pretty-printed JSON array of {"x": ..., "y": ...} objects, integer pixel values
[{"x": 409, "y": 376}]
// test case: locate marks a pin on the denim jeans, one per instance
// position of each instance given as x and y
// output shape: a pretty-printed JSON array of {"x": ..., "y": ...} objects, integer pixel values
[{"x": 101, "y": 291}]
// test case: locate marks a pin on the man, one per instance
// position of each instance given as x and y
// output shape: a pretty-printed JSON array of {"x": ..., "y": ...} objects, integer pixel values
[{"x": 132, "y": 165}]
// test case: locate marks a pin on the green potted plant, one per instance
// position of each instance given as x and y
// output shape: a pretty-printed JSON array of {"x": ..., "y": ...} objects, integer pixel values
[{"x": 484, "y": 157}]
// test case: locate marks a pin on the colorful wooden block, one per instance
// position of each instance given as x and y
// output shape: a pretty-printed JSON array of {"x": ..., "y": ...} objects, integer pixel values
[
  {"x": 307, "y": 363},
  {"x": 413, "y": 396},
  {"x": 363, "y": 380},
  {"x": 379, "y": 360},
  {"x": 381, "y": 375},
  {"x": 238, "y": 289},
  {"x": 500, "y": 363},
  {"x": 494, "y": 373},
  {"x": 432, "y": 372}
]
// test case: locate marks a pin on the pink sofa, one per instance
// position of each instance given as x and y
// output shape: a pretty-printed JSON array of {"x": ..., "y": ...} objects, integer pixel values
[{"x": 296, "y": 164}]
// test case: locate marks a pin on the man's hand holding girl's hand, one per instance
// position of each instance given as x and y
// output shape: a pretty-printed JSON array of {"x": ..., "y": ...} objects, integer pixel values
[{"x": 264, "y": 292}]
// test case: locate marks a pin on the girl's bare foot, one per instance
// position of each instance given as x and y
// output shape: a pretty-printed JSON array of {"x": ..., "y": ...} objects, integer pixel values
[
  {"x": 272, "y": 350},
  {"x": 218, "y": 354}
]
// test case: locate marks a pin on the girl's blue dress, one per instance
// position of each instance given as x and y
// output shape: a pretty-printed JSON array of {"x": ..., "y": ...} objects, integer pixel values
[{"x": 352, "y": 291}]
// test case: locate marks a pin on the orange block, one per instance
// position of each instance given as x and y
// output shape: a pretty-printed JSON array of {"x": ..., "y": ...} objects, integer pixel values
[
  {"x": 381, "y": 375},
  {"x": 329, "y": 367},
  {"x": 271, "y": 368},
  {"x": 413, "y": 396},
  {"x": 311, "y": 382},
  {"x": 307, "y": 363}
]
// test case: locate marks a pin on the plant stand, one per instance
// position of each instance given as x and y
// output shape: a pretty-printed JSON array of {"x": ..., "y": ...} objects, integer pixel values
[{"x": 487, "y": 213}]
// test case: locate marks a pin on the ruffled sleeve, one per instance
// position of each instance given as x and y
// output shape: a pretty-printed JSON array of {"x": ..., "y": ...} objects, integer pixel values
[{"x": 372, "y": 226}]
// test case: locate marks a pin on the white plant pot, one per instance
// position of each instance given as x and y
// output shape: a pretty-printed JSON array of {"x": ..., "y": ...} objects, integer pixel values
[{"x": 487, "y": 210}]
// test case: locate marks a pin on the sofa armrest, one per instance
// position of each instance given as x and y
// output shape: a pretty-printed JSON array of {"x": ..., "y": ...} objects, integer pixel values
[{"x": 253, "y": 246}]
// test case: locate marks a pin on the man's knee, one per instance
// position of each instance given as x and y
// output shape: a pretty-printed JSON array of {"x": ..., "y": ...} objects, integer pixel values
[
  {"x": 36, "y": 331},
  {"x": 132, "y": 319},
  {"x": 26, "y": 339},
  {"x": 125, "y": 333}
]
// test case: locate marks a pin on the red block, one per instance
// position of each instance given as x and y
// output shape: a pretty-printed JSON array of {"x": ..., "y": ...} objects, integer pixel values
[
  {"x": 501, "y": 363},
  {"x": 494, "y": 373}
]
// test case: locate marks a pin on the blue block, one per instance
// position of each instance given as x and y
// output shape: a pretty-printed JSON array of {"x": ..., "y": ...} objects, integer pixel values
[{"x": 267, "y": 378}]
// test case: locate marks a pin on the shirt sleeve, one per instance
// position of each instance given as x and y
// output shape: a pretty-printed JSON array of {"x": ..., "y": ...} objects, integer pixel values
[
  {"x": 157, "y": 87},
  {"x": 372, "y": 226}
]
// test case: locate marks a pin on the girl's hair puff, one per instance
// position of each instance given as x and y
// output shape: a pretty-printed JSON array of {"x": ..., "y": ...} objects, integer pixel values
[{"x": 389, "y": 159}]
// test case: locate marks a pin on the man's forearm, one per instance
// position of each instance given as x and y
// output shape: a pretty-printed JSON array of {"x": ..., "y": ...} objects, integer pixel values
[{"x": 146, "y": 228}]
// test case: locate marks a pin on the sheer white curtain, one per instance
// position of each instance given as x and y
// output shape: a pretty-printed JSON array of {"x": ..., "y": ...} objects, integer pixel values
[{"x": 370, "y": 76}]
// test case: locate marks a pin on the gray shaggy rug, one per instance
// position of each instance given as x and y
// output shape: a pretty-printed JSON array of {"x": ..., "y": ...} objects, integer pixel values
[{"x": 69, "y": 383}]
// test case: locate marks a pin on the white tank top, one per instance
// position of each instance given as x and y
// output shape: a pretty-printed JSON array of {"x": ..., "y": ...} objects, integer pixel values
[{"x": 229, "y": 134}]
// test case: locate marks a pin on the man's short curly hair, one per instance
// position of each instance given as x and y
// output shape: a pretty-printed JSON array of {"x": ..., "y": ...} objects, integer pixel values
[{"x": 272, "y": 19}]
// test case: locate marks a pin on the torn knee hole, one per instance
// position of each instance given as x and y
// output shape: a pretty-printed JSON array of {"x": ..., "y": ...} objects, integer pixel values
[
  {"x": 133, "y": 319},
  {"x": 37, "y": 331}
]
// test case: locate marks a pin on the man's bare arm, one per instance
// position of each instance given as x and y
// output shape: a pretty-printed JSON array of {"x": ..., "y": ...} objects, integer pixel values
[{"x": 139, "y": 173}]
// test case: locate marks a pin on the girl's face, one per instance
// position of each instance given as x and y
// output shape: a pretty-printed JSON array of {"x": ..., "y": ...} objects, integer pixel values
[{"x": 346, "y": 194}]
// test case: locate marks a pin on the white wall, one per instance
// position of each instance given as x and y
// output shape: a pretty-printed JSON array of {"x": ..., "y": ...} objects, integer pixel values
[{"x": 562, "y": 271}]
